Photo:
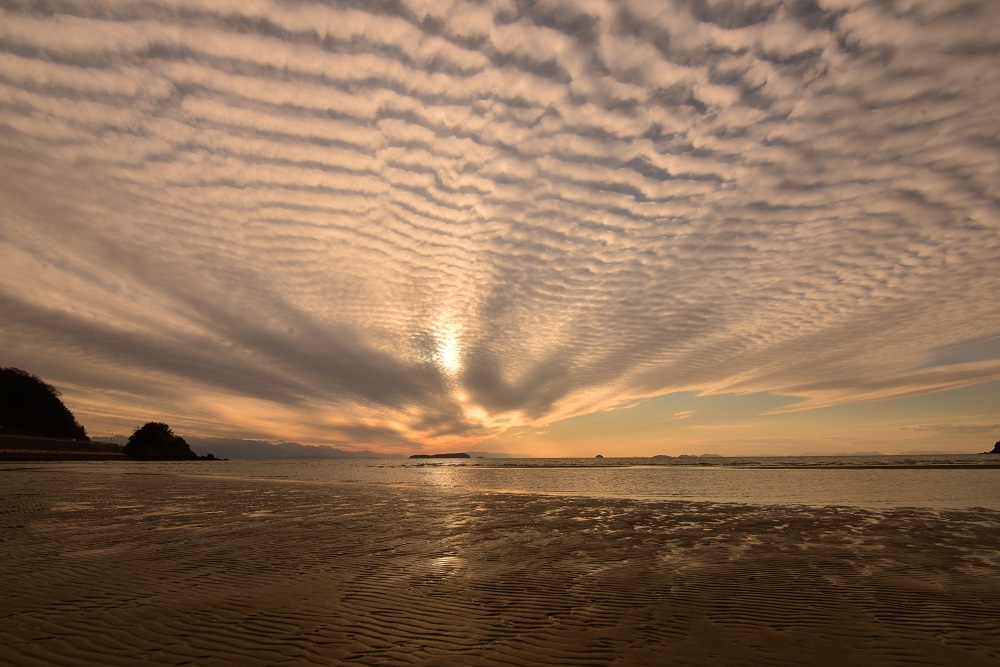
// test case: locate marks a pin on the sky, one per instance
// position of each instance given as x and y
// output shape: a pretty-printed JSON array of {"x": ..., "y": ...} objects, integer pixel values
[{"x": 550, "y": 227}]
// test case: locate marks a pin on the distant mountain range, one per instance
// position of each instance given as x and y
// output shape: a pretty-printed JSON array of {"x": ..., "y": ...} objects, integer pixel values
[{"x": 233, "y": 448}]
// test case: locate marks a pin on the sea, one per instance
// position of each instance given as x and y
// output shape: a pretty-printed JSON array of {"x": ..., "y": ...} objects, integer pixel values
[{"x": 953, "y": 481}]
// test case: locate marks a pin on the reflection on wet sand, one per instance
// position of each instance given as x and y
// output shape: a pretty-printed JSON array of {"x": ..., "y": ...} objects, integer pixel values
[{"x": 173, "y": 569}]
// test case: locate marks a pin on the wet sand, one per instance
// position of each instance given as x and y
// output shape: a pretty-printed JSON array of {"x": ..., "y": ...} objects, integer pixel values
[{"x": 123, "y": 568}]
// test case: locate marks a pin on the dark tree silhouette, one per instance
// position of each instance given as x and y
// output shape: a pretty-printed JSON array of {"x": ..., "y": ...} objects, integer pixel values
[
  {"x": 156, "y": 442},
  {"x": 29, "y": 406}
]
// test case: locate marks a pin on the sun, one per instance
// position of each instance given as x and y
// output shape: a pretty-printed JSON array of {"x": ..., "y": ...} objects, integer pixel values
[
  {"x": 449, "y": 349},
  {"x": 449, "y": 355}
]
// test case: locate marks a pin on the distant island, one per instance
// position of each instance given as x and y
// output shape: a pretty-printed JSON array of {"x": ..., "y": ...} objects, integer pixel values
[{"x": 461, "y": 455}]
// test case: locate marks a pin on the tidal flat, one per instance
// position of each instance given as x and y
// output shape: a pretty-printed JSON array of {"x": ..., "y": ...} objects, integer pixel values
[{"x": 130, "y": 565}]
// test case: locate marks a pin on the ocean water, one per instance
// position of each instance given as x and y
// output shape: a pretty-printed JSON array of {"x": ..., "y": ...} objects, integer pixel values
[{"x": 941, "y": 482}]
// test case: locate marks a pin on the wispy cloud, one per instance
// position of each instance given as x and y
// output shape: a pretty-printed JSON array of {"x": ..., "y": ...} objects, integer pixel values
[
  {"x": 404, "y": 223},
  {"x": 948, "y": 429}
]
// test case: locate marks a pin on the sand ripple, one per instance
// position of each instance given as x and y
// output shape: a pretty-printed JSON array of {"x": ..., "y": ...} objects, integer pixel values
[{"x": 123, "y": 569}]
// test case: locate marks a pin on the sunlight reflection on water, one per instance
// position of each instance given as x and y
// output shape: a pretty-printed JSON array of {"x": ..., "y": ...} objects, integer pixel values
[{"x": 857, "y": 481}]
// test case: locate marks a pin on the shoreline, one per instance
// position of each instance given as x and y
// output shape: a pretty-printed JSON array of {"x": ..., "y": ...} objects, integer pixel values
[
  {"x": 70, "y": 450},
  {"x": 29, "y": 456},
  {"x": 37, "y": 448}
]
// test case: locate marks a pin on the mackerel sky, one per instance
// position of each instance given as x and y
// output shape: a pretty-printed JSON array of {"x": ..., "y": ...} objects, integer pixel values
[{"x": 548, "y": 227}]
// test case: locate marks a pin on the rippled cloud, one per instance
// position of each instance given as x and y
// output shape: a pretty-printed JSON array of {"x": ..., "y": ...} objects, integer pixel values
[{"x": 413, "y": 224}]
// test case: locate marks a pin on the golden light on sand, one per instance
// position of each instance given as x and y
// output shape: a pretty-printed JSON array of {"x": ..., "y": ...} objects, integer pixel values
[{"x": 269, "y": 570}]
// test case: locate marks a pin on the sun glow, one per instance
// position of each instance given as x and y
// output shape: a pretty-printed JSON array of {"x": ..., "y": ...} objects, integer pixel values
[{"x": 449, "y": 349}]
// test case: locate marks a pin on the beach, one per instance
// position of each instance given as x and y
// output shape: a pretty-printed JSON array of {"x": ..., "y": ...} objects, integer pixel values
[{"x": 135, "y": 565}]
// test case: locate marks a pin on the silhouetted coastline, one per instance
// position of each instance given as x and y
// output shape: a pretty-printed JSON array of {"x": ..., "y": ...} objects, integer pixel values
[
  {"x": 460, "y": 455},
  {"x": 35, "y": 425},
  {"x": 31, "y": 407}
]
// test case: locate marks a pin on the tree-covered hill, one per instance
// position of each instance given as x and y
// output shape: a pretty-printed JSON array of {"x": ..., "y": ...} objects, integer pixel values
[
  {"x": 154, "y": 441},
  {"x": 29, "y": 406}
]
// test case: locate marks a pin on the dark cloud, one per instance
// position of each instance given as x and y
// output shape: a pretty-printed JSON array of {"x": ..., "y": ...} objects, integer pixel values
[{"x": 731, "y": 14}]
